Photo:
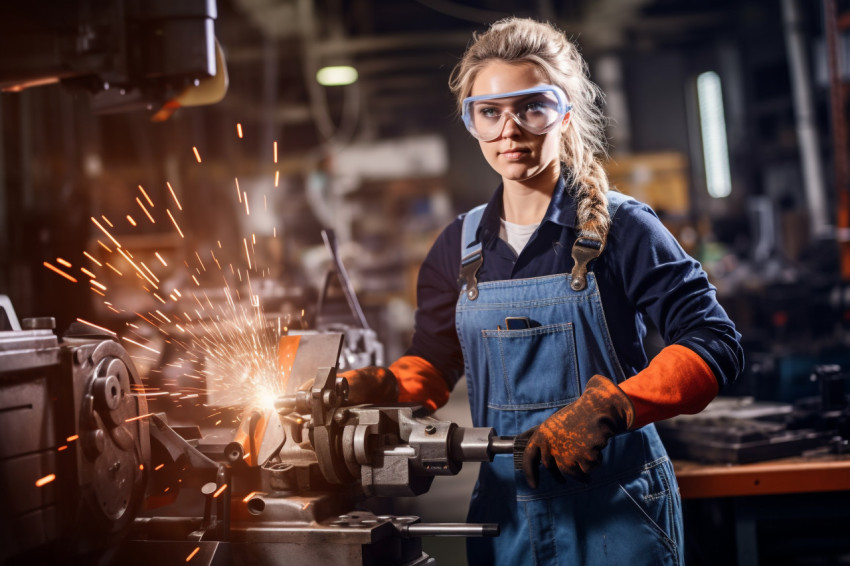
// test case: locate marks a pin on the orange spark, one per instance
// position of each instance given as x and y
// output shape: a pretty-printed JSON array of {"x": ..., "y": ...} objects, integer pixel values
[
  {"x": 275, "y": 151},
  {"x": 130, "y": 220},
  {"x": 219, "y": 490},
  {"x": 45, "y": 480},
  {"x": 193, "y": 553},
  {"x": 159, "y": 467},
  {"x": 145, "y": 210},
  {"x": 276, "y": 178},
  {"x": 105, "y": 219},
  {"x": 61, "y": 448},
  {"x": 63, "y": 262},
  {"x": 148, "y": 269},
  {"x": 145, "y": 319},
  {"x": 104, "y": 246},
  {"x": 247, "y": 255},
  {"x": 140, "y": 345},
  {"x": 138, "y": 418},
  {"x": 72, "y": 438},
  {"x": 102, "y": 229},
  {"x": 138, "y": 269},
  {"x": 112, "y": 267},
  {"x": 55, "y": 269},
  {"x": 247, "y": 210},
  {"x": 197, "y": 155},
  {"x": 147, "y": 198},
  {"x": 88, "y": 255},
  {"x": 159, "y": 257},
  {"x": 175, "y": 223},
  {"x": 265, "y": 203},
  {"x": 96, "y": 326},
  {"x": 248, "y": 497},
  {"x": 100, "y": 286},
  {"x": 238, "y": 190},
  {"x": 174, "y": 196},
  {"x": 160, "y": 299},
  {"x": 88, "y": 273},
  {"x": 239, "y": 129}
]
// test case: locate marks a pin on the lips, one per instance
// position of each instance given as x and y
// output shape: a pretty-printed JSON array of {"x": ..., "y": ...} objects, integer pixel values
[{"x": 514, "y": 153}]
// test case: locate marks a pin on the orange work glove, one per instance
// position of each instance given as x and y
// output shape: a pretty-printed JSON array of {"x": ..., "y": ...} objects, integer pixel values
[
  {"x": 677, "y": 381},
  {"x": 572, "y": 439},
  {"x": 410, "y": 379},
  {"x": 373, "y": 385},
  {"x": 420, "y": 382}
]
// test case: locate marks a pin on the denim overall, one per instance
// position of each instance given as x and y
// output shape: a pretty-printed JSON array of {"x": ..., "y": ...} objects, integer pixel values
[{"x": 630, "y": 512}]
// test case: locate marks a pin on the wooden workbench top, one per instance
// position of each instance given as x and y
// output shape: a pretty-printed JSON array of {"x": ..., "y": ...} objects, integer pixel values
[{"x": 788, "y": 475}]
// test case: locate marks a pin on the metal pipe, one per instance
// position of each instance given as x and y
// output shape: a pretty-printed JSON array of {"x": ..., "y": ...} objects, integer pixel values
[
  {"x": 450, "y": 530},
  {"x": 502, "y": 445},
  {"x": 807, "y": 138},
  {"x": 839, "y": 137}
]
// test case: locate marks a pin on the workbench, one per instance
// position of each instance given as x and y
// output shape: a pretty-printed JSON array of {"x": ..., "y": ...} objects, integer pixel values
[{"x": 788, "y": 489}]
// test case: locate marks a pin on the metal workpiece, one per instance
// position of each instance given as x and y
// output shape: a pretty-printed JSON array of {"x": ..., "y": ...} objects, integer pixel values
[{"x": 432, "y": 438}]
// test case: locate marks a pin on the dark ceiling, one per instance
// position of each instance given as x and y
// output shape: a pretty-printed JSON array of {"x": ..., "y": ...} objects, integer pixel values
[{"x": 404, "y": 51}]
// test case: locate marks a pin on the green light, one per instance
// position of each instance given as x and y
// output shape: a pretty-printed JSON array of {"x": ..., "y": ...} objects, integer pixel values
[{"x": 336, "y": 76}]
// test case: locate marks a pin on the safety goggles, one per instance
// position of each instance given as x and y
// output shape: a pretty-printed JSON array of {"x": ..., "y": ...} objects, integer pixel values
[{"x": 536, "y": 110}]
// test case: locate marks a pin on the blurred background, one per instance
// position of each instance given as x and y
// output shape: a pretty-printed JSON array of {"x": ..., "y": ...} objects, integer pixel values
[{"x": 727, "y": 116}]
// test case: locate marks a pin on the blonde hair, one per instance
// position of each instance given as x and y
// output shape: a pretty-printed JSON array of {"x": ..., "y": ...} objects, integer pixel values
[{"x": 583, "y": 142}]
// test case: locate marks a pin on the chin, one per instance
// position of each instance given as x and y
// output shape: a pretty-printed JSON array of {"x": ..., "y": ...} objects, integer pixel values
[{"x": 518, "y": 171}]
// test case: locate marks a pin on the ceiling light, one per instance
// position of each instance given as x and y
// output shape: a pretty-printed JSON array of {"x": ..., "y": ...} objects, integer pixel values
[
  {"x": 713, "y": 126},
  {"x": 336, "y": 76}
]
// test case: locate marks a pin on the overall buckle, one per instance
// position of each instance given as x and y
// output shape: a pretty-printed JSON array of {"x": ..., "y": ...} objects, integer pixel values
[
  {"x": 469, "y": 266},
  {"x": 585, "y": 250}
]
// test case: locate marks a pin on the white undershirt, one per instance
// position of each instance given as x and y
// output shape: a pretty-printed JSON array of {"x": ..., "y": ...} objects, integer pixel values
[{"x": 516, "y": 235}]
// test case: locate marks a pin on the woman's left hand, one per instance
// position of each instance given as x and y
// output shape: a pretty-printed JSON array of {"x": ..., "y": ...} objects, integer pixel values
[{"x": 572, "y": 439}]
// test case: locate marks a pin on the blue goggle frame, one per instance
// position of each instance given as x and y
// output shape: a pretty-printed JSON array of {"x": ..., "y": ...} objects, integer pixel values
[{"x": 564, "y": 105}]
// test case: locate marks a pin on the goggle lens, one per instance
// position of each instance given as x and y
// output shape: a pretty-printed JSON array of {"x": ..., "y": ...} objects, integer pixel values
[{"x": 535, "y": 110}]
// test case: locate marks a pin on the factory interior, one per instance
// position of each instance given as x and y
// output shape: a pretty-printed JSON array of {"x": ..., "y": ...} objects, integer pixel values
[{"x": 191, "y": 205}]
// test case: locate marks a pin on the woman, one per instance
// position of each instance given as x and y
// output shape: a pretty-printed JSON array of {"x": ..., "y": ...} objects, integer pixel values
[{"x": 539, "y": 297}]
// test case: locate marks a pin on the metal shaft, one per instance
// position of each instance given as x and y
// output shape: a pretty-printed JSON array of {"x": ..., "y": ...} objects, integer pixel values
[{"x": 451, "y": 530}]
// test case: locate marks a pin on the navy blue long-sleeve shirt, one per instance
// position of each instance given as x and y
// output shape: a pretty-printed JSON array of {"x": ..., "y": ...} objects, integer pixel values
[{"x": 642, "y": 272}]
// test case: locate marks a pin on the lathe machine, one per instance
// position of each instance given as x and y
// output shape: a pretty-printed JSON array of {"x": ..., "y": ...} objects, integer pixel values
[{"x": 89, "y": 475}]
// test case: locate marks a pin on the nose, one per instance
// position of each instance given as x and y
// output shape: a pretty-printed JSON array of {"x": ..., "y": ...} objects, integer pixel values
[{"x": 510, "y": 128}]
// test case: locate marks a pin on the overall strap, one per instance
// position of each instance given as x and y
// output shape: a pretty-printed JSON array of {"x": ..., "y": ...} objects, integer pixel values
[
  {"x": 471, "y": 256},
  {"x": 586, "y": 249}
]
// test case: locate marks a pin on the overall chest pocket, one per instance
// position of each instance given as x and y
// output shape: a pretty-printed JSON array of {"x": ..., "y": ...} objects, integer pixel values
[{"x": 531, "y": 368}]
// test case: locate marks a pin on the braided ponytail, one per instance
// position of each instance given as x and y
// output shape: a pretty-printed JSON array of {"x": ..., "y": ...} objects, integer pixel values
[{"x": 583, "y": 142}]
